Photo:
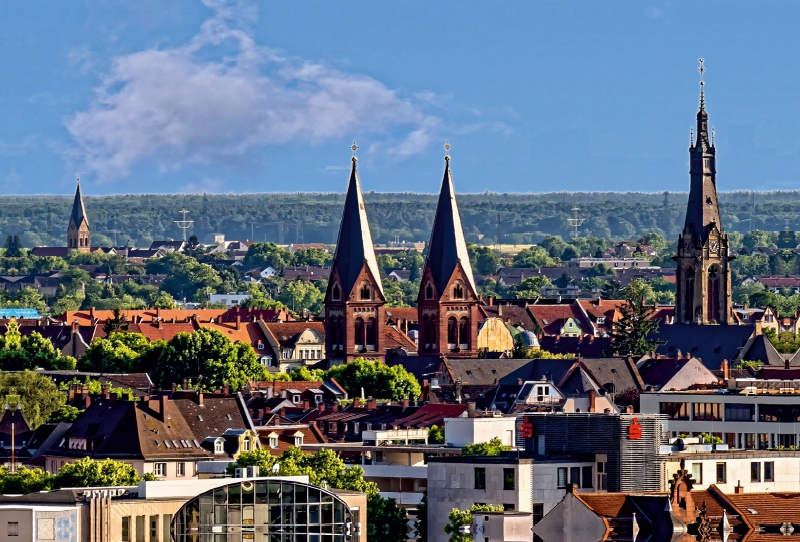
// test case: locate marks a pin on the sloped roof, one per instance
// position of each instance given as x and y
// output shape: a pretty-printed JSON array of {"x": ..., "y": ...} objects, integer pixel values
[
  {"x": 551, "y": 318},
  {"x": 447, "y": 246},
  {"x": 711, "y": 344},
  {"x": 658, "y": 371},
  {"x": 763, "y": 350},
  {"x": 286, "y": 434},
  {"x": 164, "y": 331},
  {"x": 287, "y": 333},
  {"x": 78, "y": 209},
  {"x": 354, "y": 247},
  {"x": 516, "y": 315},
  {"x": 394, "y": 338}
]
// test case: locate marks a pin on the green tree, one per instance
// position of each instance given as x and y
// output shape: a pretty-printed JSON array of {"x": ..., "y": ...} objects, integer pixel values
[
  {"x": 304, "y": 374},
  {"x": 120, "y": 352},
  {"x": 757, "y": 239},
  {"x": 298, "y": 294},
  {"x": 86, "y": 472},
  {"x": 529, "y": 288},
  {"x": 377, "y": 379},
  {"x": 640, "y": 291},
  {"x": 493, "y": 447},
  {"x": 268, "y": 254},
  {"x": 612, "y": 289},
  {"x": 554, "y": 245},
  {"x": 24, "y": 481},
  {"x": 26, "y": 298},
  {"x": 463, "y": 518},
  {"x": 64, "y": 413},
  {"x": 209, "y": 353},
  {"x": 655, "y": 241},
  {"x": 484, "y": 260},
  {"x": 630, "y": 333},
  {"x": 436, "y": 435},
  {"x": 312, "y": 256},
  {"x": 600, "y": 270},
  {"x": 13, "y": 247},
  {"x": 749, "y": 265},
  {"x": 37, "y": 395},
  {"x": 18, "y": 352},
  {"x": 534, "y": 256},
  {"x": 161, "y": 300}
]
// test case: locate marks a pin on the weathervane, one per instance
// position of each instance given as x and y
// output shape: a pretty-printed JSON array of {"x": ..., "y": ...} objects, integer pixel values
[
  {"x": 447, "y": 146},
  {"x": 354, "y": 148}
]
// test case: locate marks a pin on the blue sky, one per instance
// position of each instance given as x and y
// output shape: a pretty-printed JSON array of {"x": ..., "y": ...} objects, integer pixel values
[{"x": 152, "y": 96}]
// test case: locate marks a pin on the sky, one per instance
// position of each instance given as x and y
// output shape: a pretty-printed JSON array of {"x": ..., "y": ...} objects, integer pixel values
[{"x": 146, "y": 96}]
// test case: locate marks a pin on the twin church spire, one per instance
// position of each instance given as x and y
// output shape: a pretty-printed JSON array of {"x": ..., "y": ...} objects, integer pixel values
[{"x": 354, "y": 300}]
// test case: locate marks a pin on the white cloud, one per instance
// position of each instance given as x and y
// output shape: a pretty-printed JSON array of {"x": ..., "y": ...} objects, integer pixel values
[{"x": 174, "y": 106}]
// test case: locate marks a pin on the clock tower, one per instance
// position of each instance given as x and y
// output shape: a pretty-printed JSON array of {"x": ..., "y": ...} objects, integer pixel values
[{"x": 703, "y": 278}]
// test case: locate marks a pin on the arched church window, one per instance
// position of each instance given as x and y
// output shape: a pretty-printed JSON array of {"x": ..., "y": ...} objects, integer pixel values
[
  {"x": 458, "y": 291},
  {"x": 428, "y": 291},
  {"x": 463, "y": 333},
  {"x": 452, "y": 333},
  {"x": 714, "y": 288},
  {"x": 366, "y": 294},
  {"x": 371, "y": 334},
  {"x": 688, "y": 298},
  {"x": 359, "y": 333}
]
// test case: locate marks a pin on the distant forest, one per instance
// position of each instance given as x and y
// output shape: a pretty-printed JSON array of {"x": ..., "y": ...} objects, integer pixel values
[{"x": 488, "y": 218}]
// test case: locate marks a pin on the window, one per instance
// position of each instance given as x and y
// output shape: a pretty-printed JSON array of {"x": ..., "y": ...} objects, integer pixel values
[
  {"x": 336, "y": 294},
  {"x": 675, "y": 411},
  {"x": 509, "y": 479},
  {"x": 13, "y": 528},
  {"x": 218, "y": 446},
  {"x": 429, "y": 292},
  {"x": 480, "y": 478},
  {"x": 722, "y": 474},
  {"x": 366, "y": 294},
  {"x": 295, "y": 399},
  {"x": 458, "y": 291},
  {"x": 298, "y": 440},
  {"x": 260, "y": 345},
  {"x": 273, "y": 442},
  {"x": 180, "y": 469},
  {"x": 755, "y": 471},
  {"x": 160, "y": 469},
  {"x": 562, "y": 477},
  {"x": 763, "y": 441},
  {"x": 153, "y": 528},
  {"x": 126, "y": 529},
  {"x": 507, "y": 507},
  {"x": 697, "y": 472},
  {"x": 586, "y": 478},
  {"x": 707, "y": 411},
  {"x": 575, "y": 476},
  {"x": 738, "y": 412},
  {"x": 602, "y": 477},
  {"x": 246, "y": 445},
  {"x": 538, "y": 514},
  {"x": 769, "y": 471},
  {"x": 778, "y": 413}
]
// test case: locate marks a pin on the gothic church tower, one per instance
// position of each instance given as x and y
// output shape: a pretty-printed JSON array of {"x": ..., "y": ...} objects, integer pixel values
[
  {"x": 448, "y": 299},
  {"x": 703, "y": 277},
  {"x": 78, "y": 232},
  {"x": 354, "y": 300}
]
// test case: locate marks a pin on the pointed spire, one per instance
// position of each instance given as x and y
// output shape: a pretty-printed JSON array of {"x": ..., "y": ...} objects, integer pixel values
[
  {"x": 447, "y": 246},
  {"x": 702, "y": 70},
  {"x": 78, "y": 208},
  {"x": 354, "y": 247}
]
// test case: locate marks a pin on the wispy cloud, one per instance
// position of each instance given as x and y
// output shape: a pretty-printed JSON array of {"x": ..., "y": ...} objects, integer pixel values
[{"x": 174, "y": 106}]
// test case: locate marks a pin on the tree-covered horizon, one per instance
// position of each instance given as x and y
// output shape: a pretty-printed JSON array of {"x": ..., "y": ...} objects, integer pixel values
[{"x": 313, "y": 217}]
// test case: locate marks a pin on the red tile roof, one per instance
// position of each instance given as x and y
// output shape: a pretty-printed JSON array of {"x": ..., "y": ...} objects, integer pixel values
[{"x": 551, "y": 318}]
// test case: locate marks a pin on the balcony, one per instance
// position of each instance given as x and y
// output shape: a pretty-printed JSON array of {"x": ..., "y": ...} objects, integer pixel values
[{"x": 403, "y": 499}]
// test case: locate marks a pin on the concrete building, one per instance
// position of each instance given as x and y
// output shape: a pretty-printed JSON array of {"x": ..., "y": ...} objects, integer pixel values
[{"x": 750, "y": 414}]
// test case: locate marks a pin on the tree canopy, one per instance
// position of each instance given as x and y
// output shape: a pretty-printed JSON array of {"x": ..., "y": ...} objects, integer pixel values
[
  {"x": 493, "y": 447},
  {"x": 377, "y": 379},
  {"x": 37, "y": 395}
]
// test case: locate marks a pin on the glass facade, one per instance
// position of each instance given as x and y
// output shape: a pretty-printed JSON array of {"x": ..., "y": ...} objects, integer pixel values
[{"x": 264, "y": 511}]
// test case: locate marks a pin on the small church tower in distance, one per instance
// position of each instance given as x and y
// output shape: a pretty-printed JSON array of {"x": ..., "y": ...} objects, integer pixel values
[
  {"x": 703, "y": 287},
  {"x": 448, "y": 299},
  {"x": 78, "y": 232}
]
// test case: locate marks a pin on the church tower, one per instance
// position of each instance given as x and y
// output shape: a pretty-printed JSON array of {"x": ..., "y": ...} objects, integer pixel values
[
  {"x": 78, "y": 232},
  {"x": 703, "y": 293},
  {"x": 448, "y": 299},
  {"x": 354, "y": 314}
]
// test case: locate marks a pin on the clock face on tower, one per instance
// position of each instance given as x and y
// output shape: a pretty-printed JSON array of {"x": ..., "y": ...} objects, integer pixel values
[
  {"x": 713, "y": 246},
  {"x": 687, "y": 245}
]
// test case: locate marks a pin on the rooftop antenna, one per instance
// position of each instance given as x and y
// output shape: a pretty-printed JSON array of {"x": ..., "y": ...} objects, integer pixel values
[
  {"x": 575, "y": 222},
  {"x": 184, "y": 224}
]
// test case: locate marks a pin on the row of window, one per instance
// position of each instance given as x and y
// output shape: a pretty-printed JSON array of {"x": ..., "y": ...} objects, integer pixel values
[
  {"x": 136, "y": 532},
  {"x": 733, "y": 412},
  {"x": 760, "y": 471},
  {"x": 750, "y": 441},
  {"x": 509, "y": 478}
]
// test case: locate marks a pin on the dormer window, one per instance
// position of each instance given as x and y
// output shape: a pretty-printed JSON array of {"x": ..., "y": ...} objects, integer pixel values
[
  {"x": 296, "y": 399},
  {"x": 273, "y": 440},
  {"x": 246, "y": 445},
  {"x": 298, "y": 439},
  {"x": 601, "y": 320},
  {"x": 336, "y": 293},
  {"x": 218, "y": 446},
  {"x": 366, "y": 293}
]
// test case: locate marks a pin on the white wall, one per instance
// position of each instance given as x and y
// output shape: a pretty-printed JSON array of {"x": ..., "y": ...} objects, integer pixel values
[{"x": 462, "y": 431}]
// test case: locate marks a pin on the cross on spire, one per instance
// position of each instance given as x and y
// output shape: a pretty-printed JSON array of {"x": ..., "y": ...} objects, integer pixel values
[
  {"x": 354, "y": 148},
  {"x": 447, "y": 146},
  {"x": 702, "y": 70}
]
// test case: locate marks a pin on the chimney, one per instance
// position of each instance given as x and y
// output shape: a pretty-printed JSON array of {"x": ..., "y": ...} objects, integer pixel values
[
  {"x": 472, "y": 411},
  {"x": 260, "y": 412},
  {"x": 158, "y": 313},
  {"x": 112, "y": 397},
  {"x": 321, "y": 407},
  {"x": 75, "y": 326},
  {"x": 458, "y": 390},
  {"x": 200, "y": 398},
  {"x": 185, "y": 384},
  {"x": 105, "y": 391},
  {"x": 174, "y": 388},
  {"x": 786, "y": 364},
  {"x": 356, "y": 402},
  {"x": 226, "y": 389},
  {"x": 163, "y": 400},
  {"x": 499, "y": 309},
  {"x": 305, "y": 405},
  {"x": 372, "y": 404},
  {"x": 91, "y": 312},
  {"x": 490, "y": 299},
  {"x": 738, "y": 489},
  {"x": 160, "y": 324},
  {"x": 87, "y": 401},
  {"x": 724, "y": 367},
  {"x": 405, "y": 403},
  {"x": 592, "y": 398},
  {"x": 519, "y": 382},
  {"x": 335, "y": 407},
  {"x": 238, "y": 320}
]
